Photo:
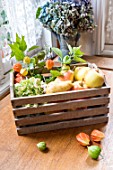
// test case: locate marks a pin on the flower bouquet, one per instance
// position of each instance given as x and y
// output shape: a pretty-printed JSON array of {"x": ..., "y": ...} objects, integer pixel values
[{"x": 67, "y": 19}]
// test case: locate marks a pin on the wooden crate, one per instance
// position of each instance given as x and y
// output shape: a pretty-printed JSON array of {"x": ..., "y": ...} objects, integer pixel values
[{"x": 60, "y": 110}]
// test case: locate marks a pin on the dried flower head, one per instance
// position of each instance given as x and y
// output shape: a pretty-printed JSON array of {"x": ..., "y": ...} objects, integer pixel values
[{"x": 67, "y": 17}]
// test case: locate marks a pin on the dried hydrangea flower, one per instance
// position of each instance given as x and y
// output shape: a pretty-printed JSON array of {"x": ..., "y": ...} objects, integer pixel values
[{"x": 68, "y": 17}]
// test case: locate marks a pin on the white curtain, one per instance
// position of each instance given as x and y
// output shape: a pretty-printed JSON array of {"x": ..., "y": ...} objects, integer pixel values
[
  {"x": 109, "y": 22},
  {"x": 21, "y": 14},
  {"x": 22, "y": 20}
]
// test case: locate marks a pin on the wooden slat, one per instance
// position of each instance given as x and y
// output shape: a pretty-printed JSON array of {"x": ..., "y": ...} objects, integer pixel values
[
  {"x": 61, "y": 106},
  {"x": 60, "y": 96},
  {"x": 62, "y": 125},
  {"x": 61, "y": 116},
  {"x": 11, "y": 85}
]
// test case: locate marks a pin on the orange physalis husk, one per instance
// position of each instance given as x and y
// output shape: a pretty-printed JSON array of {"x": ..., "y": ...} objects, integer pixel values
[
  {"x": 97, "y": 135},
  {"x": 49, "y": 64},
  {"x": 83, "y": 139},
  {"x": 17, "y": 67}
]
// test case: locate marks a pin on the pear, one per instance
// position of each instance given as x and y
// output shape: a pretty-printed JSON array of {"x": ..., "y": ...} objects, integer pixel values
[
  {"x": 67, "y": 75},
  {"x": 94, "y": 78},
  {"x": 80, "y": 72}
]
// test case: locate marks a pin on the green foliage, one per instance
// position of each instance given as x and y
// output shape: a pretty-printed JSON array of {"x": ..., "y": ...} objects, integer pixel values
[
  {"x": 48, "y": 80},
  {"x": 38, "y": 12},
  {"x": 67, "y": 59},
  {"x": 55, "y": 73},
  {"x": 19, "y": 55},
  {"x": 79, "y": 60},
  {"x": 58, "y": 52},
  {"x": 77, "y": 51},
  {"x": 33, "y": 60},
  {"x": 21, "y": 42},
  {"x": 18, "y": 48},
  {"x": 75, "y": 54},
  {"x": 70, "y": 48},
  {"x": 33, "y": 48},
  {"x": 41, "y": 55},
  {"x": 18, "y": 51},
  {"x": 41, "y": 64}
]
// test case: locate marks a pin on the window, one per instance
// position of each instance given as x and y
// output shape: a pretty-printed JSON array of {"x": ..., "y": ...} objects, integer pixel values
[{"x": 104, "y": 38}]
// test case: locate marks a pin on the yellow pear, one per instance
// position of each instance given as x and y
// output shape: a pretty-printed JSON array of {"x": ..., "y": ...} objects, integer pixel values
[
  {"x": 94, "y": 78},
  {"x": 80, "y": 72}
]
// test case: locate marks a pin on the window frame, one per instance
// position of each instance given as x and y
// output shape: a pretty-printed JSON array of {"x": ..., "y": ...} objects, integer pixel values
[{"x": 100, "y": 47}]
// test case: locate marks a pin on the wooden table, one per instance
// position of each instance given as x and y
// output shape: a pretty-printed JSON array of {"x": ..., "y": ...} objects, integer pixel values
[{"x": 64, "y": 152}]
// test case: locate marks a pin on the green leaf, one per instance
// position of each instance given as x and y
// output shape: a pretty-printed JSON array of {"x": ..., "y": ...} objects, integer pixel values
[
  {"x": 18, "y": 39},
  {"x": 78, "y": 59},
  {"x": 19, "y": 55},
  {"x": 38, "y": 76},
  {"x": 12, "y": 54},
  {"x": 41, "y": 64},
  {"x": 67, "y": 59},
  {"x": 55, "y": 73},
  {"x": 23, "y": 45},
  {"x": 58, "y": 52},
  {"x": 70, "y": 48},
  {"x": 41, "y": 55},
  {"x": 33, "y": 48},
  {"x": 32, "y": 60},
  {"x": 77, "y": 51},
  {"x": 38, "y": 12},
  {"x": 21, "y": 42},
  {"x": 48, "y": 80}
]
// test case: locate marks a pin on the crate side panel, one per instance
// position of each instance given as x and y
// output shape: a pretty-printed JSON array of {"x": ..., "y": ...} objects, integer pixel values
[
  {"x": 61, "y": 116},
  {"x": 11, "y": 85},
  {"x": 60, "y": 96},
  {"x": 63, "y": 125},
  {"x": 73, "y": 104}
]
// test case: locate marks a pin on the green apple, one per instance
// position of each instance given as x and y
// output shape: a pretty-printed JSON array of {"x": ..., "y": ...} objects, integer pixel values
[
  {"x": 94, "y": 78},
  {"x": 80, "y": 72}
]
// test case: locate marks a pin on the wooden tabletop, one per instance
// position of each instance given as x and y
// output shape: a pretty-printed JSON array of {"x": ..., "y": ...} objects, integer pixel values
[{"x": 64, "y": 152}]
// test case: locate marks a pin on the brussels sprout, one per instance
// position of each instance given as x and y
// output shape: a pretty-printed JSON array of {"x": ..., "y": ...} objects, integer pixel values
[
  {"x": 41, "y": 146},
  {"x": 94, "y": 151}
]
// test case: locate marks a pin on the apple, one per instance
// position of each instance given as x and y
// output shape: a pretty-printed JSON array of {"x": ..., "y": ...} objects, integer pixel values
[
  {"x": 80, "y": 72},
  {"x": 68, "y": 75},
  {"x": 79, "y": 85},
  {"x": 94, "y": 78}
]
